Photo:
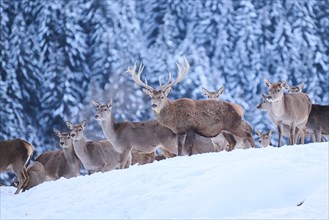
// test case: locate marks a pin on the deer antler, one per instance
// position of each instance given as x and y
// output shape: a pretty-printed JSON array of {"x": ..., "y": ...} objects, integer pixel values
[
  {"x": 137, "y": 76},
  {"x": 183, "y": 67}
]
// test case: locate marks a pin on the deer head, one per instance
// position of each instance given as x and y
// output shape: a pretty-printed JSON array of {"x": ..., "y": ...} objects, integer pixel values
[
  {"x": 159, "y": 96},
  {"x": 76, "y": 130},
  {"x": 213, "y": 95},
  {"x": 297, "y": 88},
  {"x": 65, "y": 140},
  {"x": 264, "y": 138},
  {"x": 102, "y": 111},
  {"x": 275, "y": 90}
]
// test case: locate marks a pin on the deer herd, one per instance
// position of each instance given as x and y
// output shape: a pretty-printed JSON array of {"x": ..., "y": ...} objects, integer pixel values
[{"x": 182, "y": 127}]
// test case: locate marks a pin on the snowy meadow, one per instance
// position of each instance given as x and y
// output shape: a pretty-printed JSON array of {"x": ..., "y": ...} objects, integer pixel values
[{"x": 290, "y": 182}]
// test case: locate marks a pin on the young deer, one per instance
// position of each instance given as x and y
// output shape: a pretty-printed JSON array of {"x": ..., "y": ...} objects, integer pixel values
[
  {"x": 95, "y": 155},
  {"x": 241, "y": 142},
  {"x": 144, "y": 136},
  {"x": 141, "y": 158},
  {"x": 264, "y": 138},
  {"x": 187, "y": 117},
  {"x": 297, "y": 88},
  {"x": 265, "y": 105},
  {"x": 61, "y": 163},
  {"x": 14, "y": 155},
  {"x": 291, "y": 109}
]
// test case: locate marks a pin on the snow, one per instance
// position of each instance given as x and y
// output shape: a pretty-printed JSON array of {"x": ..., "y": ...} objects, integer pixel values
[{"x": 266, "y": 183}]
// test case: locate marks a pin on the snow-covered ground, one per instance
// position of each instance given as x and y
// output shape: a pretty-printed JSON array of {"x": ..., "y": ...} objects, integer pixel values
[{"x": 266, "y": 183}]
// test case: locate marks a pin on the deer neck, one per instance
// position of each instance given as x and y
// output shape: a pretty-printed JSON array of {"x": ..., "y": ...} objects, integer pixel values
[
  {"x": 278, "y": 106},
  {"x": 165, "y": 115},
  {"x": 70, "y": 155},
  {"x": 108, "y": 127},
  {"x": 80, "y": 147}
]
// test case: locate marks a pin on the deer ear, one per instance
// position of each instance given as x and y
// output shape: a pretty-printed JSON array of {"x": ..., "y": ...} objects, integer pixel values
[
  {"x": 283, "y": 84},
  {"x": 271, "y": 132},
  {"x": 257, "y": 132},
  {"x": 57, "y": 132},
  {"x": 220, "y": 90},
  {"x": 301, "y": 86},
  {"x": 267, "y": 83},
  {"x": 147, "y": 92},
  {"x": 204, "y": 91},
  {"x": 69, "y": 125},
  {"x": 96, "y": 104},
  {"x": 83, "y": 123}
]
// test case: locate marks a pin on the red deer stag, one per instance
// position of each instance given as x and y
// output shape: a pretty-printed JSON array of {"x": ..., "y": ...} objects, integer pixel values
[
  {"x": 187, "y": 117},
  {"x": 291, "y": 109},
  {"x": 14, "y": 155}
]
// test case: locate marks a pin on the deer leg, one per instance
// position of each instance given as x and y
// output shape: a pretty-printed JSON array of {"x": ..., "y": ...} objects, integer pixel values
[
  {"x": 279, "y": 126},
  {"x": 189, "y": 141},
  {"x": 124, "y": 157},
  {"x": 317, "y": 134},
  {"x": 26, "y": 177},
  {"x": 21, "y": 180},
  {"x": 180, "y": 143},
  {"x": 231, "y": 140},
  {"x": 292, "y": 133}
]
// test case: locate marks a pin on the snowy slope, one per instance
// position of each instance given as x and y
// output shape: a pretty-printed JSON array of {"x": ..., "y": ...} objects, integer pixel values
[{"x": 254, "y": 183}]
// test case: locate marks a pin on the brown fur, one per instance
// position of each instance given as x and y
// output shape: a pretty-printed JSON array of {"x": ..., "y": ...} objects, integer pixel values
[
  {"x": 14, "y": 155},
  {"x": 37, "y": 174},
  {"x": 187, "y": 117},
  {"x": 142, "y": 158},
  {"x": 318, "y": 121},
  {"x": 291, "y": 109},
  {"x": 95, "y": 155},
  {"x": 143, "y": 137}
]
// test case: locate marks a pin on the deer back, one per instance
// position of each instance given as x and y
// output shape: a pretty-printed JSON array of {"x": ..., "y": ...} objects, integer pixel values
[
  {"x": 206, "y": 117},
  {"x": 37, "y": 174},
  {"x": 14, "y": 153},
  {"x": 297, "y": 106}
]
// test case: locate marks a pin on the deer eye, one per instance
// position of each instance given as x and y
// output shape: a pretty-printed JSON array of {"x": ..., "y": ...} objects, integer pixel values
[
  {"x": 80, "y": 129},
  {"x": 266, "y": 137},
  {"x": 161, "y": 97},
  {"x": 278, "y": 90},
  {"x": 105, "y": 109}
]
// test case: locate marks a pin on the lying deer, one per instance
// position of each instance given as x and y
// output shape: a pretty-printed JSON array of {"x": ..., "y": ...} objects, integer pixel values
[
  {"x": 318, "y": 120},
  {"x": 14, "y": 154},
  {"x": 291, "y": 109},
  {"x": 142, "y": 136},
  {"x": 37, "y": 174},
  {"x": 61, "y": 163},
  {"x": 265, "y": 105},
  {"x": 242, "y": 143},
  {"x": 141, "y": 158},
  {"x": 187, "y": 117},
  {"x": 264, "y": 138},
  {"x": 95, "y": 155}
]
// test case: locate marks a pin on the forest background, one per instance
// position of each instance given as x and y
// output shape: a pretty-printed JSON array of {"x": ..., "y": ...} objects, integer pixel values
[{"x": 58, "y": 55}]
